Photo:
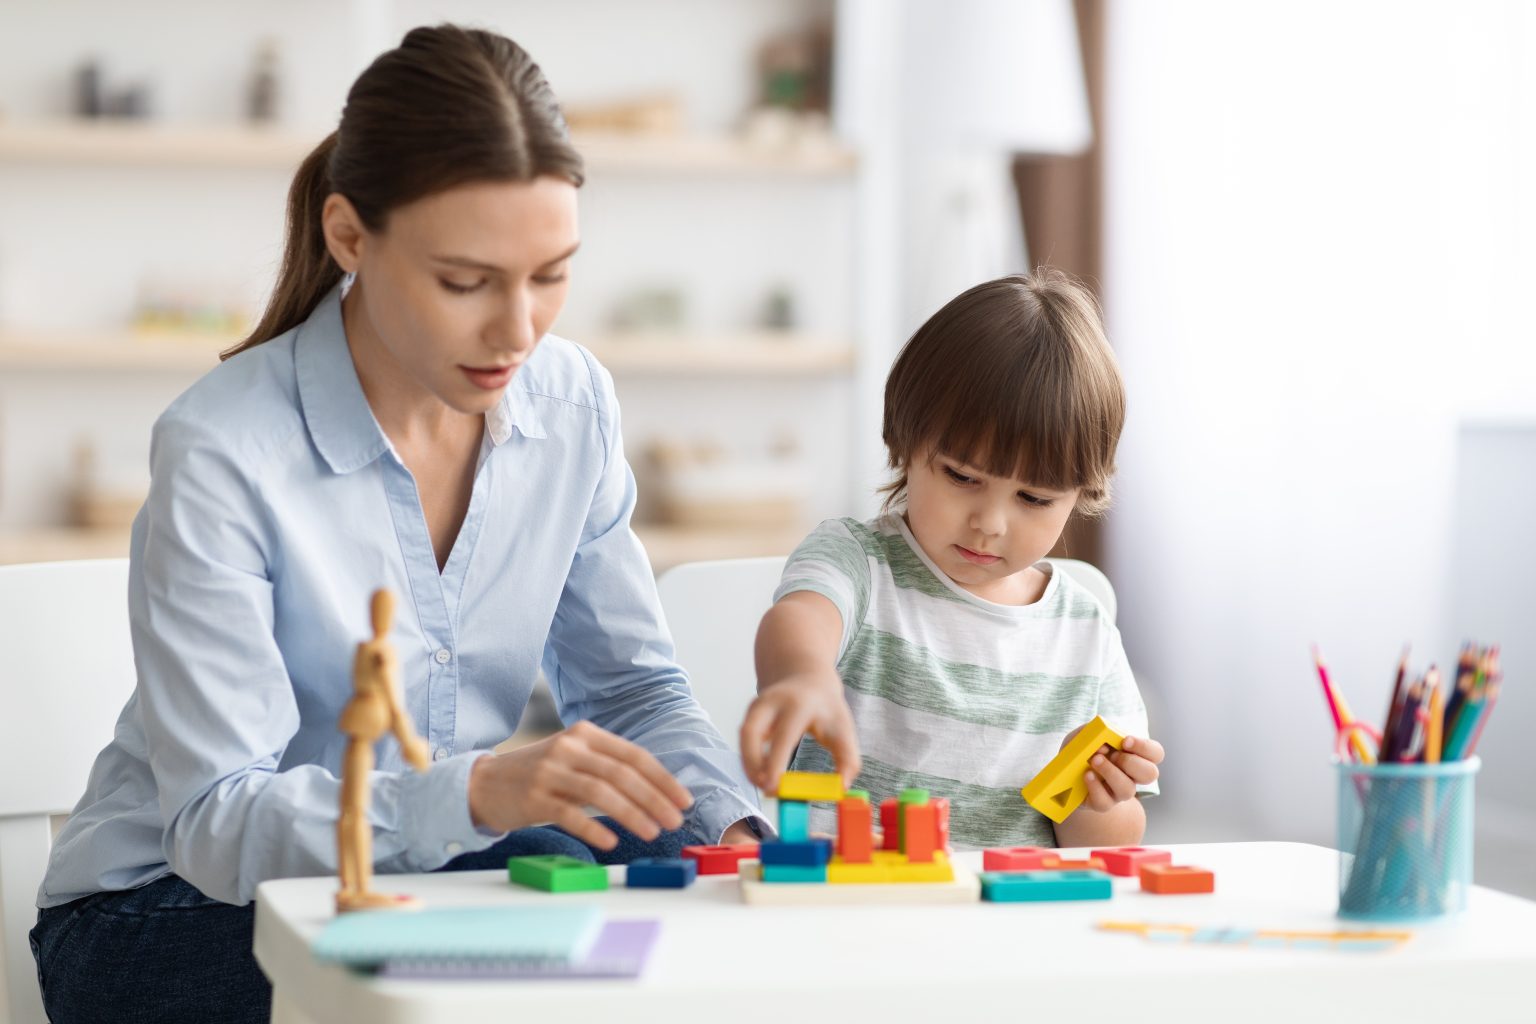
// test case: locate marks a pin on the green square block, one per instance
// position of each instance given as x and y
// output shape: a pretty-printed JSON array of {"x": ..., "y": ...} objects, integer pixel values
[
  {"x": 913, "y": 796},
  {"x": 557, "y": 873},
  {"x": 856, "y": 794},
  {"x": 1044, "y": 886},
  {"x": 794, "y": 873}
]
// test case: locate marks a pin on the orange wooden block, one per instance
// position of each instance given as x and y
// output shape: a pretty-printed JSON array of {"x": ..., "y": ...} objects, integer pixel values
[
  {"x": 1057, "y": 864},
  {"x": 890, "y": 824},
  {"x": 922, "y": 832},
  {"x": 942, "y": 803},
  {"x": 1173, "y": 879},
  {"x": 1126, "y": 860},
  {"x": 855, "y": 833}
]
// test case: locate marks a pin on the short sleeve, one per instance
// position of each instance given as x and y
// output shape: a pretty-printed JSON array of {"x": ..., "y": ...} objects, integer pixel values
[
  {"x": 831, "y": 562},
  {"x": 1120, "y": 701}
]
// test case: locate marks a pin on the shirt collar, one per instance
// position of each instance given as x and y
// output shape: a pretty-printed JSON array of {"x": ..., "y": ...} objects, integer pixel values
[
  {"x": 335, "y": 408},
  {"x": 337, "y": 412}
]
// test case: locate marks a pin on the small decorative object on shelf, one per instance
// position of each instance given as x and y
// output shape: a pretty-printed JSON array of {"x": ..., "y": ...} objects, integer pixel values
[
  {"x": 651, "y": 115},
  {"x": 102, "y": 499},
  {"x": 650, "y": 309},
  {"x": 701, "y": 485},
  {"x": 261, "y": 98},
  {"x": 779, "y": 309}
]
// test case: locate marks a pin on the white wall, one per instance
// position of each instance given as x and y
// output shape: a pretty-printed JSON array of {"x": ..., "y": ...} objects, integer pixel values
[
  {"x": 1321, "y": 218},
  {"x": 79, "y": 243}
]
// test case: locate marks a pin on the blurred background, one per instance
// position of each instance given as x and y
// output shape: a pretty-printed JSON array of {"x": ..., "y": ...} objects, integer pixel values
[{"x": 1311, "y": 225}]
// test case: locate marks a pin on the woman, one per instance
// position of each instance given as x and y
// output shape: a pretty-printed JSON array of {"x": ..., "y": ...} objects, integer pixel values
[{"x": 398, "y": 419}]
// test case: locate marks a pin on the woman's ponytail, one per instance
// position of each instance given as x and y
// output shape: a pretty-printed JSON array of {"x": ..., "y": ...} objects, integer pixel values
[{"x": 308, "y": 272}]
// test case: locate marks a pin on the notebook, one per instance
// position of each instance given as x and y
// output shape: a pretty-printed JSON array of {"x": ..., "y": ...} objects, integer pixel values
[
  {"x": 461, "y": 935},
  {"x": 620, "y": 951}
]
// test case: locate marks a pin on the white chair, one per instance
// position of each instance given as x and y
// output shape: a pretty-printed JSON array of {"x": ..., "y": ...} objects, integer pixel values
[
  {"x": 713, "y": 609},
  {"x": 68, "y": 672}
]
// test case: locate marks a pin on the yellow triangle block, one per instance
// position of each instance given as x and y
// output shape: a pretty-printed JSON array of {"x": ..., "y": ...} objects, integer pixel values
[{"x": 1059, "y": 788}]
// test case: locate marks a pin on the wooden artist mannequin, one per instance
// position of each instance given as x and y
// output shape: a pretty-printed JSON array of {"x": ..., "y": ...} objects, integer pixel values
[{"x": 374, "y": 710}]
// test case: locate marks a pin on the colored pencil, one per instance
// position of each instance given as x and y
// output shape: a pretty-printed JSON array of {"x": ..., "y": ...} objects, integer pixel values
[
  {"x": 1342, "y": 719},
  {"x": 1495, "y": 680},
  {"x": 1394, "y": 708}
]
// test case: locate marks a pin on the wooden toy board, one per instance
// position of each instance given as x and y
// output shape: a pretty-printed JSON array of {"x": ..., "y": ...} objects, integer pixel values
[{"x": 966, "y": 888}]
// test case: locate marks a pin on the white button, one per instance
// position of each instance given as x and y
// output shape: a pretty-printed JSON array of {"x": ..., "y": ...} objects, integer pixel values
[
  {"x": 443, "y": 656},
  {"x": 453, "y": 849},
  {"x": 441, "y": 753}
]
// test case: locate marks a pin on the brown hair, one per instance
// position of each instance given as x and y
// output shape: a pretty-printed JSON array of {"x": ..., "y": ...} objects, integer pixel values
[
  {"x": 1016, "y": 378},
  {"x": 447, "y": 106}
]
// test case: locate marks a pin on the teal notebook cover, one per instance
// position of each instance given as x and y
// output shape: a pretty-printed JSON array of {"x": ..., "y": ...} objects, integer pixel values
[{"x": 468, "y": 935}]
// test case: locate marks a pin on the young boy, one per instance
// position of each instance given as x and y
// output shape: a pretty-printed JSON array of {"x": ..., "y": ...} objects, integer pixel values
[{"x": 931, "y": 647}]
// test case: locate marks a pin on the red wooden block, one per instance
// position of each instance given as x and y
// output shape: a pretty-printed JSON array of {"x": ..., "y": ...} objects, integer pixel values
[
  {"x": 1016, "y": 858},
  {"x": 1170, "y": 879},
  {"x": 721, "y": 860},
  {"x": 855, "y": 833},
  {"x": 1057, "y": 864},
  {"x": 942, "y": 803},
  {"x": 890, "y": 824},
  {"x": 922, "y": 832},
  {"x": 1126, "y": 860}
]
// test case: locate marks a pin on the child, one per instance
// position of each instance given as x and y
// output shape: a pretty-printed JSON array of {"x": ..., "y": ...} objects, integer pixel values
[{"x": 932, "y": 647}]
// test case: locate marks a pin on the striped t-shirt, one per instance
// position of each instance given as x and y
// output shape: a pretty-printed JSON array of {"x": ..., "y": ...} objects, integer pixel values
[{"x": 955, "y": 694}]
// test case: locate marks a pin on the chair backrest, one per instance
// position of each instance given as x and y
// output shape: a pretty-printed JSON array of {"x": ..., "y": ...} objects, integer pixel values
[
  {"x": 713, "y": 609},
  {"x": 68, "y": 670}
]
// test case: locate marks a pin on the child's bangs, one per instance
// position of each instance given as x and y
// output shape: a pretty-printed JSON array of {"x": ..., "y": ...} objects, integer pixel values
[{"x": 1033, "y": 437}]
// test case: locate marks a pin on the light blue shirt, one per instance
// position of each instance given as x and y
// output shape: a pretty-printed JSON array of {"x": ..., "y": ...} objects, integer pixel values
[{"x": 276, "y": 507}]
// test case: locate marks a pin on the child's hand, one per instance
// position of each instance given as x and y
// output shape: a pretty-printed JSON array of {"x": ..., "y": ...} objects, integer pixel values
[
  {"x": 1113, "y": 775},
  {"x": 785, "y": 712}
]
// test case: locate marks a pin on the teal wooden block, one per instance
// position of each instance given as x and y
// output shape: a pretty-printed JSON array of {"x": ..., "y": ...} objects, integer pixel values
[
  {"x": 1042, "y": 886},
  {"x": 794, "y": 873},
  {"x": 794, "y": 821}
]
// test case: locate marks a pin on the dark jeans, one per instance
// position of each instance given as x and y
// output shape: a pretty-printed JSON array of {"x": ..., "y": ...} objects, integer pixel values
[{"x": 164, "y": 952}]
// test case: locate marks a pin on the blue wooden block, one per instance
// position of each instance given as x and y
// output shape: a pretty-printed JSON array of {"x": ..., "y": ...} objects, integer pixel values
[
  {"x": 661, "y": 873},
  {"x": 794, "y": 873},
  {"x": 811, "y": 853},
  {"x": 1036, "y": 886},
  {"x": 794, "y": 821}
]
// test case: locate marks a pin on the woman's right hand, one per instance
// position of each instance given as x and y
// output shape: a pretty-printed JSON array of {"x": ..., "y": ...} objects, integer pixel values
[
  {"x": 556, "y": 779},
  {"x": 809, "y": 702}
]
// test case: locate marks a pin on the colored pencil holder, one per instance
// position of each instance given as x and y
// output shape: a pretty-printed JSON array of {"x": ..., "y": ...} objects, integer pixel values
[{"x": 1405, "y": 839}]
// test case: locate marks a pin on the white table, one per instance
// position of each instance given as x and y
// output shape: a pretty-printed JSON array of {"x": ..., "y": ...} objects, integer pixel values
[{"x": 718, "y": 958}]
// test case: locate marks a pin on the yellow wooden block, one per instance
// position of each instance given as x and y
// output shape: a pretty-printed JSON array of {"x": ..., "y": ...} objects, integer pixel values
[
  {"x": 839, "y": 873},
  {"x": 1059, "y": 788},
  {"x": 936, "y": 870},
  {"x": 810, "y": 786}
]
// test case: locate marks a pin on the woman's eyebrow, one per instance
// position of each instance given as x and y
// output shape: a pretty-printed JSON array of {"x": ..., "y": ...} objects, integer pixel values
[{"x": 465, "y": 261}]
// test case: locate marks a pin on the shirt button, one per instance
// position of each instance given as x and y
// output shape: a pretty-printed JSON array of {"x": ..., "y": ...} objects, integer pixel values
[
  {"x": 453, "y": 849},
  {"x": 440, "y": 754},
  {"x": 443, "y": 656}
]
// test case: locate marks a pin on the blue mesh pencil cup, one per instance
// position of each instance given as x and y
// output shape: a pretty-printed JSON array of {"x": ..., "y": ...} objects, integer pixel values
[{"x": 1405, "y": 839}]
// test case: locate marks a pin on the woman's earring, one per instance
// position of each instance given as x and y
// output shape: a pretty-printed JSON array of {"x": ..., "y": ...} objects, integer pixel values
[{"x": 347, "y": 281}]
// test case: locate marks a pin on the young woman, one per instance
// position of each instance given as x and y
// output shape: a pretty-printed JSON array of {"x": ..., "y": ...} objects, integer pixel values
[{"x": 399, "y": 418}]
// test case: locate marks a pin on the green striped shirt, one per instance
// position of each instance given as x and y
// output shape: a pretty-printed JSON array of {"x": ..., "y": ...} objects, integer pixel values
[{"x": 955, "y": 694}]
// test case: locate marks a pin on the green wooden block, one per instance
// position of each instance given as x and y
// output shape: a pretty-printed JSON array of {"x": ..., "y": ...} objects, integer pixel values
[
  {"x": 857, "y": 794},
  {"x": 557, "y": 873},
  {"x": 913, "y": 796}
]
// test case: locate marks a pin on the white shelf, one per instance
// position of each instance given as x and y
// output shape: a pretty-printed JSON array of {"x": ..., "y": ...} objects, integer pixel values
[
  {"x": 666, "y": 545},
  {"x": 756, "y": 353},
  {"x": 131, "y": 143}
]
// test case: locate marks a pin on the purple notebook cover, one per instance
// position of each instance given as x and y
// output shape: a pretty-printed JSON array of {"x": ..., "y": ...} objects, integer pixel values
[{"x": 620, "y": 951}]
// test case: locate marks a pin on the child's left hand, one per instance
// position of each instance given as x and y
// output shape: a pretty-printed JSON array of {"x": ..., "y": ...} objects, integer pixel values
[{"x": 1113, "y": 775}]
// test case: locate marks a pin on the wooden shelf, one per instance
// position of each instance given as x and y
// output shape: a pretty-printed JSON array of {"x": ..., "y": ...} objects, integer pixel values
[
  {"x": 149, "y": 144},
  {"x": 666, "y": 545},
  {"x": 761, "y": 353}
]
